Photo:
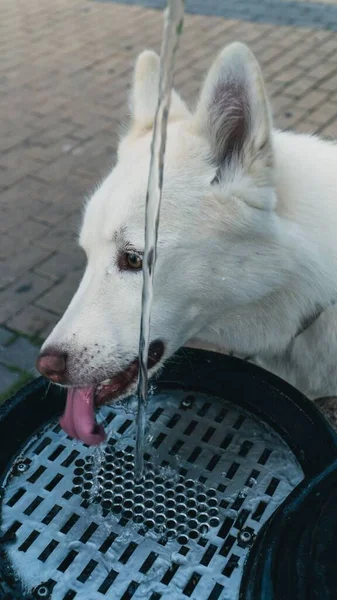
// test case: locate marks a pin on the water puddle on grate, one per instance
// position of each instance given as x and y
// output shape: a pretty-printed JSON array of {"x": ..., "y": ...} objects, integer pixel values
[{"x": 82, "y": 527}]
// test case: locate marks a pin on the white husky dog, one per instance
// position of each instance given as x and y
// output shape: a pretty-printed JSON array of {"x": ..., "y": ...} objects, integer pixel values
[{"x": 247, "y": 253}]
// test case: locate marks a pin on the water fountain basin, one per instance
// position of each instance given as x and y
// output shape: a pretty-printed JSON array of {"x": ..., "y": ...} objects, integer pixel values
[{"x": 233, "y": 456}]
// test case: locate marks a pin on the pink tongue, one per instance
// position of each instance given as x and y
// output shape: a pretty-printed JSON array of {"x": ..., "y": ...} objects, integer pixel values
[{"x": 79, "y": 420}]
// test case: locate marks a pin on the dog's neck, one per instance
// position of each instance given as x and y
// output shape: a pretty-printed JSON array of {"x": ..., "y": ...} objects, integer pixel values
[{"x": 268, "y": 326}]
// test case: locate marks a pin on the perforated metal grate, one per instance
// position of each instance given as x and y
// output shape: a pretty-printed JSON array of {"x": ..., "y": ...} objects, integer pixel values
[{"x": 78, "y": 525}]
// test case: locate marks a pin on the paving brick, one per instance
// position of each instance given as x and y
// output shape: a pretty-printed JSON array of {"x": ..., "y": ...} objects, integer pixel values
[
  {"x": 58, "y": 297},
  {"x": 21, "y": 261},
  {"x": 44, "y": 333},
  {"x": 59, "y": 264},
  {"x": 289, "y": 75},
  {"x": 330, "y": 130},
  {"x": 26, "y": 195},
  {"x": 323, "y": 70},
  {"x": 7, "y": 379},
  {"x": 306, "y": 127},
  {"x": 299, "y": 87},
  {"x": 312, "y": 100},
  {"x": 21, "y": 354},
  {"x": 46, "y": 149},
  {"x": 19, "y": 294},
  {"x": 5, "y": 336},
  {"x": 64, "y": 237},
  {"x": 30, "y": 231},
  {"x": 53, "y": 214},
  {"x": 8, "y": 246},
  {"x": 330, "y": 83},
  {"x": 324, "y": 113},
  {"x": 32, "y": 320}
]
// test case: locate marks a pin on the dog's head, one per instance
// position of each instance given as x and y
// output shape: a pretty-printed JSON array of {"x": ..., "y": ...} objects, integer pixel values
[{"x": 217, "y": 214}]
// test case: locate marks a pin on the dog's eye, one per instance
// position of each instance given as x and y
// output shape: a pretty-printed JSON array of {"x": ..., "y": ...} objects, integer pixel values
[
  {"x": 134, "y": 261},
  {"x": 131, "y": 260}
]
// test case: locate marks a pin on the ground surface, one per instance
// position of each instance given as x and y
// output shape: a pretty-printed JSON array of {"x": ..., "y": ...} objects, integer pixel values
[{"x": 64, "y": 75}]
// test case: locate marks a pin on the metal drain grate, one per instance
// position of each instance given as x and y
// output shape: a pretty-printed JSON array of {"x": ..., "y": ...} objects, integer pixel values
[
  {"x": 173, "y": 507},
  {"x": 79, "y": 526}
]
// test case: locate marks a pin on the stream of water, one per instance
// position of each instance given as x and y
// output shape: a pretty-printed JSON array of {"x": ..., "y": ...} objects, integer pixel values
[{"x": 173, "y": 25}]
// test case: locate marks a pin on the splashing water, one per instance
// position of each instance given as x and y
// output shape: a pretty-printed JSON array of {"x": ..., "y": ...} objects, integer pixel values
[{"x": 173, "y": 25}]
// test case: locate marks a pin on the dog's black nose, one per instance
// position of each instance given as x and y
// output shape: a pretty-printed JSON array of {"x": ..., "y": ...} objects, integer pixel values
[{"x": 52, "y": 363}]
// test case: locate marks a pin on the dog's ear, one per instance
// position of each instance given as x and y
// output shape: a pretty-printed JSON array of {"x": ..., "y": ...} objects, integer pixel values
[
  {"x": 144, "y": 93},
  {"x": 233, "y": 111}
]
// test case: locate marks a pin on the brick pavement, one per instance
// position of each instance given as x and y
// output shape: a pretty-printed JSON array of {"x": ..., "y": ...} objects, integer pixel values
[{"x": 64, "y": 76}]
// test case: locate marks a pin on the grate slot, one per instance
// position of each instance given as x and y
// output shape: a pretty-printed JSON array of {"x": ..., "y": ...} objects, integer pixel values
[
  {"x": 159, "y": 439},
  {"x": 208, "y": 434},
  {"x": 271, "y": 489},
  {"x": 56, "y": 453},
  {"x": 195, "y": 454},
  {"x": 53, "y": 483},
  {"x": 245, "y": 448},
  {"x": 37, "y": 474},
  {"x": 128, "y": 594},
  {"x": 108, "y": 542},
  {"x": 70, "y": 459},
  {"x": 173, "y": 421},
  {"x": 29, "y": 541},
  {"x": 204, "y": 409},
  {"x": 88, "y": 533},
  {"x": 261, "y": 507},
  {"x": 264, "y": 456},
  {"x": 190, "y": 427},
  {"x": 239, "y": 422},
  {"x": 87, "y": 571},
  {"x": 226, "y": 441},
  {"x": 155, "y": 416},
  {"x": 45, "y": 442},
  {"x": 231, "y": 565},
  {"x": 242, "y": 518},
  {"x": 108, "y": 581},
  {"x": 216, "y": 592},
  {"x": 48, "y": 550},
  {"x": 227, "y": 545},
  {"x": 232, "y": 470},
  {"x": 16, "y": 497},
  {"x": 239, "y": 501},
  {"x": 213, "y": 462},
  {"x": 176, "y": 447},
  {"x": 250, "y": 481},
  {"x": 33, "y": 505},
  {"x": 70, "y": 595},
  {"x": 155, "y": 596},
  {"x": 110, "y": 418},
  {"x": 9, "y": 535},
  {"x": 170, "y": 573},
  {"x": 225, "y": 527},
  {"x": 128, "y": 553},
  {"x": 208, "y": 555},
  {"x": 69, "y": 523},
  {"x": 221, "y": 415},
  {"x": 192, "y": 584},
  {"x": 69, "y": 559},
  {"x": 149, "y": 561},
  {"x": 51, "y": 514},
  {"x": 124, "y": 426}
]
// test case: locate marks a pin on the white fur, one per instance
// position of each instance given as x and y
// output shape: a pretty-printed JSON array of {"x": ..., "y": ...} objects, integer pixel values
[{"x": 241, "y": 261}]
